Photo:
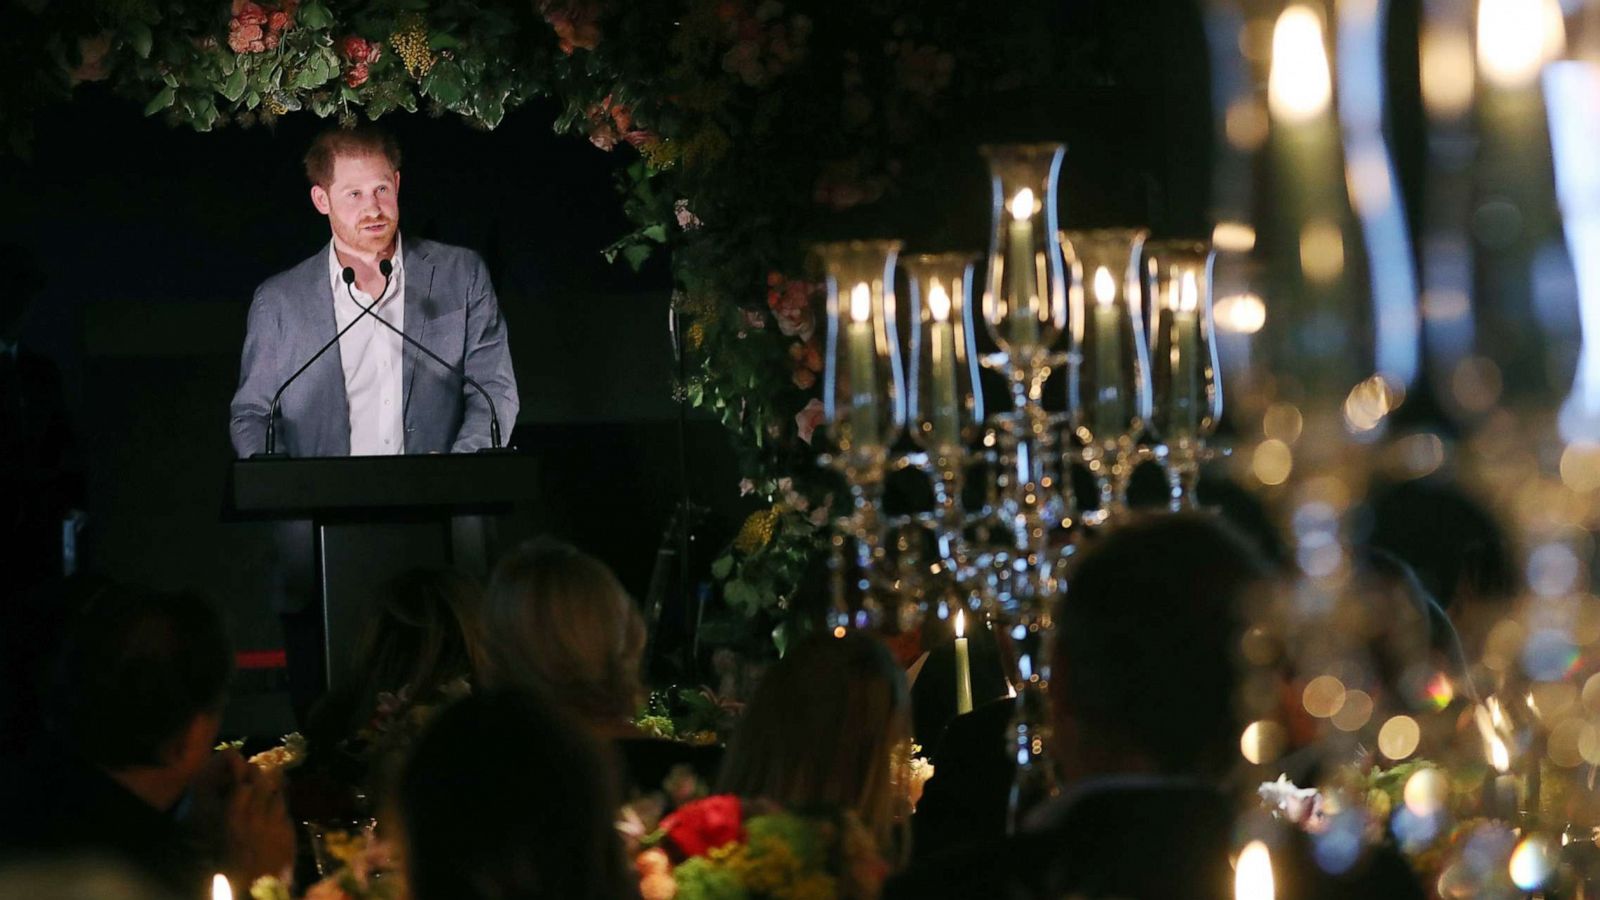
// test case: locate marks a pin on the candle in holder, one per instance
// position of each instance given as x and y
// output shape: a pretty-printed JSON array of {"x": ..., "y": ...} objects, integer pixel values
[
  {"x": 1186, "y": 400},
  {"x": 945, "y": 412},
  {"x": 1021, "y": 274},
  {"x": 963, "y": 666},
  {"x": 863, "y": 356},
  {"x": 220, "y": 888},
  {"x": 1107, "y": 358}
]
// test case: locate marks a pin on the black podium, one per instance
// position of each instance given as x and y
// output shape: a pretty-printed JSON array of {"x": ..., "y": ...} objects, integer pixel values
[{"x": 373, "y": 517}]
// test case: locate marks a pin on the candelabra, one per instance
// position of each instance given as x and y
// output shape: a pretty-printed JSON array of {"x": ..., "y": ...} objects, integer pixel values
[{"x": 1087, "y": 307}]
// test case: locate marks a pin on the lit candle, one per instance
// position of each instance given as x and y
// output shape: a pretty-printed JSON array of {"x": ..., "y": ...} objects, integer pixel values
[
  {"x": 1021, "y": 274},
  {"x": 1108, "y": 418},
  {"x": 944, "y": 415},
  {"x": 963, "y": 666},
  {"x": 863, "y": 355},
  {"x": 1252, "y": 878},
  {"x": 1184, "y": 415},
  {"x": 1300, "y": 96},
  {"x": 220, "y": 888}
]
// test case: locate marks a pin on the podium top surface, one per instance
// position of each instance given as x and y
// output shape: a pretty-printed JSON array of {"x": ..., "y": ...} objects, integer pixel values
[{"x": 361, "y": 486}]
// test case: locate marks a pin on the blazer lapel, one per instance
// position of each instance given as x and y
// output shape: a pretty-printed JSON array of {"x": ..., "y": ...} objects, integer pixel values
[
  {"x": 327, "y": 375},
  {"x": 419, "y": 289}
]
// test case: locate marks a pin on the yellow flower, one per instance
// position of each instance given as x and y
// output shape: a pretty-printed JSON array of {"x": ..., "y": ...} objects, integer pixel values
[
  {"x": 411, "y": 43},
  {"x": 696, "y": 336},
  {"x": 757, "y": 531}
]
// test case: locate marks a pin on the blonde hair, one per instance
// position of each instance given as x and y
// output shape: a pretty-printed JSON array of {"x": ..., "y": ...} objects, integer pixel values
[
  {"x": 558, "y": 621},
  {"x": 829, "y": 726}
]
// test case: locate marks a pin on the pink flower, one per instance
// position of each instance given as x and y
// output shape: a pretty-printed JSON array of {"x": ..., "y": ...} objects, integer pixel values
[
  {"x": 271, "y": 41},
  {"x": 754, "y": 319},
  {"x": 278, "y": 21},
  {"x": 604, "y": 137},
  {"x": 805, "y": 361},
  {"x": 245, "y": 38},
  {"x": 356, "y": 76},
  {"x": 575, "y": 22},
  {"x": 92, "y": 53},
  {"x": 687, "y": 220},
  {"x": 792, "y": 306},
  {"x": 746, "y": 487},
  {"x": 808, "y": 418}
]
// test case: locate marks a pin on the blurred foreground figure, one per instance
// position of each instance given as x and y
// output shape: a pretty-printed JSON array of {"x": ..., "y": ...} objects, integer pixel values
[
  {"x": 1145, "y": 736},
  {"x": 128, "y": 772}
]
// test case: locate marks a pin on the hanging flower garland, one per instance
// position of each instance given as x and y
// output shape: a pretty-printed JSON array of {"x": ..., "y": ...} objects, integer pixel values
[{"x": 754, "y": 122}]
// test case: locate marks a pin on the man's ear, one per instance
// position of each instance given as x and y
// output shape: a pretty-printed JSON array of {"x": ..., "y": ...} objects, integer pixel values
[{"x": 320, "y": 199}]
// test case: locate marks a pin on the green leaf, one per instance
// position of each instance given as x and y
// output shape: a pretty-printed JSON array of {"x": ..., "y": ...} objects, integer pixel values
[
  {"x": 315, "y": 15},
  {"x": 140, "y": 38},
  {"x": 440, "y": 40},
  {"x": 656, "y": 232},
  {"x": 233, "y": 88},
  {"x": 636, "y": 255},
  {"x": 743, "y": 597},
  {"x": 160, "y": 101},
  {"x": 446, "y": 84},
  {"x": 722, "y": 568}
]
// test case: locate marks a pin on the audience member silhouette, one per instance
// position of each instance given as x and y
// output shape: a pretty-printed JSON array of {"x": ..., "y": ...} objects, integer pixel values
[
  {"x": 828, "y": 727},
  {"x": 1144, "y": 735},
  {"x": 557, "y": 621},
  {"x": 130, "y": 773},
  {"x": 505, "y": 798}
]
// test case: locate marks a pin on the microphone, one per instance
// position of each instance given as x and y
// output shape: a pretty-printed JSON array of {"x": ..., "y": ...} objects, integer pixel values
[
  {"x": 349, "y": 278},
  {"x": 386, "y": 267}
]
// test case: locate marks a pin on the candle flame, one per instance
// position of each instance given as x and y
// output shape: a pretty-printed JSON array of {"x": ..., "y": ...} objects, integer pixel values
[
  {"x": 1252, "y": 879},
  {"x": 220, "y": 888},
  {"x": 1187, "y": 297},
  {"x": 1513, "y": 45},
  {"x": 1022, "y": 205},
  {"x": 938, "y": 302},
  {"x": 860, "y": 302},
  {"x": 1499, "y": 756},
  {"x": 1299, "y": 86},
  {"x": 1105, "y": 287},
  {"x": 961, "y": 623}
]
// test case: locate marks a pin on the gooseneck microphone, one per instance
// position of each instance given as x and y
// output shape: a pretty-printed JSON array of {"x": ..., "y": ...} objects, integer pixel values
[
  {"x": 349, "y": 278},
  {"x": 386, "y": 268}
]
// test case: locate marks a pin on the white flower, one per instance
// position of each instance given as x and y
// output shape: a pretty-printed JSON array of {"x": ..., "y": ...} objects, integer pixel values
[{"x": 1301, "y": 806}]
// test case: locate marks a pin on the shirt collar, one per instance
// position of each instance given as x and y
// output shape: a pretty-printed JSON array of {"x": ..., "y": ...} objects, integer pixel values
[{"x": 336, "y": 271}]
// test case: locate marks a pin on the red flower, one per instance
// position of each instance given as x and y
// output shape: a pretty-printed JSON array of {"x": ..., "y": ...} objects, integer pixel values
[
  {"x": 357, "y": 49},
  {"x": 278, "y": 21},
  {"x": 792, "y": 306},
  {"x": 805, "y": 362},
  {"x": 247, "y": 13},
  {"x": 705, "y": 825},
  {"x": 357, "y": 75},
  {"x": 576, "y": 23}
]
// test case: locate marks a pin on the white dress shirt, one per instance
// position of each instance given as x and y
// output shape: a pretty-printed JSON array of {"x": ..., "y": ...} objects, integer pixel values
[{"x": 371, "y": 354}]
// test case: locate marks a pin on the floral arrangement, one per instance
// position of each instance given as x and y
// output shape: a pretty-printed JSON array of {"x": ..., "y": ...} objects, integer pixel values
[
  {"x": 692, "y": 715},
  {"x": 289, "y": 754},
  {"x": 723, "y": 847},
  {"x": 367, "y": 872},
  {"x": 757, "y": 125}
]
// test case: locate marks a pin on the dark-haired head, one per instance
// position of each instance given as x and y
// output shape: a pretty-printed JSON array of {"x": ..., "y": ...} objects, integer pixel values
[
  {"x": 139, "y": 672},
  {"x": 1146, "y": 640},
  {"x": 822, "y": 730},
  {"x": 505, "y": 798}
]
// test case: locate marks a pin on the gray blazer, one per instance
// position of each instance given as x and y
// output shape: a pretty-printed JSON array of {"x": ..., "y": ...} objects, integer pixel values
[{"x": 450, "y": 309}]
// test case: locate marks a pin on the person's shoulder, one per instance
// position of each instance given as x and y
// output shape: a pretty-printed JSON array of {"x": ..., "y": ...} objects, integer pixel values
[
  {"x": 439, "y": 253},
  {"x": 283, "y": 283}
]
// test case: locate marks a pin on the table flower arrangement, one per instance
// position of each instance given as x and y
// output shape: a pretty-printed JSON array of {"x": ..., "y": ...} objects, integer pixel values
[{"x": 727, "y": 848}]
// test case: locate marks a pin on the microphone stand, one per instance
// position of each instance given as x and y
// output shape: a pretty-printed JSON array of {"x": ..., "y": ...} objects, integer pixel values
[{"x": 349, "y": 277}]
